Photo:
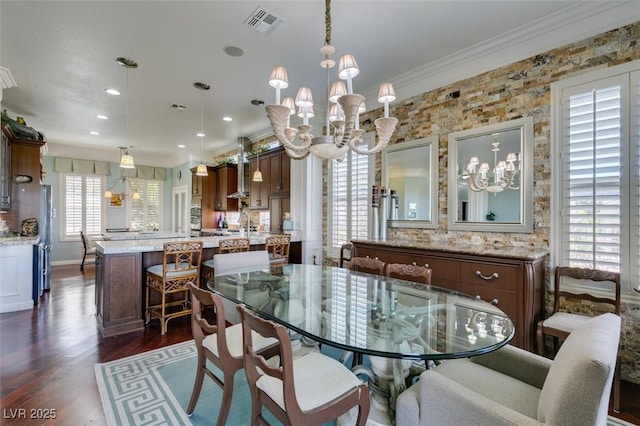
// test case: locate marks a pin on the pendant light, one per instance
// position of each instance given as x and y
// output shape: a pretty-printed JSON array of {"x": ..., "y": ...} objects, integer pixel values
[
  {"x": 126, "y": 160},
  {"x": 257, "y": 175},
  {"x": 201, "y": 170}
]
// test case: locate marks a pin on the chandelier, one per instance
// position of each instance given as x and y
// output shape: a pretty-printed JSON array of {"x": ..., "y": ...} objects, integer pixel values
[
  {"x": 122, "y": 180},
  {"x": 342, "y": 118},
  {"x": 505, "y": 172}
]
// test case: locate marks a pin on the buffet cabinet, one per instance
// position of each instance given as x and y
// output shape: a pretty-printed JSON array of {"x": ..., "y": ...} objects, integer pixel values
[{"x": 512, "y": 279}]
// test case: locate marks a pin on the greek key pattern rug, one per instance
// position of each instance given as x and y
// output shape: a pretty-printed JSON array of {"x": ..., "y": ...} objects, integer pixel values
[{"x": 134, "y": 393}]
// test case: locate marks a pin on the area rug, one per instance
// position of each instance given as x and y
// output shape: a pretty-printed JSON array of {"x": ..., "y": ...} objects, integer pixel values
[{"x": 153, "y": 388}]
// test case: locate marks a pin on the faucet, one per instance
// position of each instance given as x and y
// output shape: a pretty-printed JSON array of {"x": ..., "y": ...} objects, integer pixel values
[{"x": 248, "y": 221}]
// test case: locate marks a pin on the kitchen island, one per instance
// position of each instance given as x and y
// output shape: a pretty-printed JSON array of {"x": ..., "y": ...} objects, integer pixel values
[
  {"x": 16, "y": 277},
  {"x": 120, "y": 276}
]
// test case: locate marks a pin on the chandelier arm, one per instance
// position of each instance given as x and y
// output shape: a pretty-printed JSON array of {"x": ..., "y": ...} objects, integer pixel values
[
  {"x": 278, "y": 115},
  {"x": 295, "y": 155}
]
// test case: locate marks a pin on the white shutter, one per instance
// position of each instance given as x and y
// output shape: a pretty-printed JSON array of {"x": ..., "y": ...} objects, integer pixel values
[
  {"x": 83, "y": 205},
  {"x": 73, "y": 205},
  {"x": 145, "y": 212},
  {"x": 634, "y": 190}
]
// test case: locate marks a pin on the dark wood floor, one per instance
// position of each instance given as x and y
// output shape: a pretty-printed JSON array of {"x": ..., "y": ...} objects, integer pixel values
[{"x": 47, "y": 356}]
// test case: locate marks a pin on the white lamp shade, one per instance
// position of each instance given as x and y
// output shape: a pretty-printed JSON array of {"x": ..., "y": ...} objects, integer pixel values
[
  {"x": 257, "y": 176},
  {"x": 126, "y": 161},
  {"x": 107, "y": 194},
  {"x": 474, "y": 161},
  {"x": 338, "y": 88},
  {"x": 362, "y": 108},
  {"x": 278, "y": 78},
  {"x": 484, "y": 167},
  {"x": 304, "y": 98},
  {"x": 201, "y": 170},
  {"x": 335, "y": 113},
  {"x": 289, "y": 103},
  {"x": 347, "y": 67},
  {"x": 136, "y": 195},
  {"x": 308, "y": 111},
  {"x": 386, "y": 93}
]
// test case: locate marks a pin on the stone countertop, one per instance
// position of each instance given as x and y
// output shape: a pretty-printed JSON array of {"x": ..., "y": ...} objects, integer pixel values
[
  {"x": 141, "y": 235},
  {"x": 146, "y": 245},
  {"x": 18, "y": 241},
  {"x": 498, "y": 250}
]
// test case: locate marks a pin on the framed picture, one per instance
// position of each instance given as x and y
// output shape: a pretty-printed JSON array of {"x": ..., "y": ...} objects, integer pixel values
[{"x": 115, "y": 200}]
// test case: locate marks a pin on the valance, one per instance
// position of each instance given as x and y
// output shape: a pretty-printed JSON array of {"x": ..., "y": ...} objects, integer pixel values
[
  {"x": 145, "y": 172},
  {"x": 87, "y": 167}
]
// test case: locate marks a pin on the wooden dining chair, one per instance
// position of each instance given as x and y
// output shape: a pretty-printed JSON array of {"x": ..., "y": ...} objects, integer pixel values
[
  {"x": 220, "y": 345},
  {"x": 278, "y": 248},
  {"x": 225, "y": 245},
  {"x": 309, "y": 390},
  {"x": 419, "y": 274},
  {"x": 88, "y": 248},
  {"x": 367, "y": 264},
  {"x": 561, "y": 322},
  {"x": 180, "y": 267}
]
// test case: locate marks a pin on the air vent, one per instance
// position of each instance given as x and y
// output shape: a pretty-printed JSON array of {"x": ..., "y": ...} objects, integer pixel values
[
  {"x": 264, "y": 21},
  {"x": 178, "y": 107}
]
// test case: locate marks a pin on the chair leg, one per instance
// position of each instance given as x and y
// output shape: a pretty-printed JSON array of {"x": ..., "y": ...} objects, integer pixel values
[
  {"x": 227, "y": 394},
  {"x": 82, "y": 263},
  {"x": 540, "y": 339},
  {"x": 616, "y": 386},
  {"x": 163, "y": 323},
  {"x": 197, "y": 385}
]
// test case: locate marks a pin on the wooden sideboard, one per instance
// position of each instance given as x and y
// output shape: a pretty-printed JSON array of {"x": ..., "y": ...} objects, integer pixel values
[{"x": 512, "y": 278}]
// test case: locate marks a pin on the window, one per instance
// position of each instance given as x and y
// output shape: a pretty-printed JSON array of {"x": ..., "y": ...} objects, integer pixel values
[
  {"x": 83, "y": 205},
  {"x": 349, "y": 198},
  {"x": 145, "y": 212},
  {"x": 596, "y": 180}
]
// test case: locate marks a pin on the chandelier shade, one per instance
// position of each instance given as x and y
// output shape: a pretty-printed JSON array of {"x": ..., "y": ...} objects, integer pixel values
[
  {"x": 122, "y": 180},
  {"x": 126, "y": 161},
  {"x": 504, "y": 172},
  {"x": 342, "y": 113}
]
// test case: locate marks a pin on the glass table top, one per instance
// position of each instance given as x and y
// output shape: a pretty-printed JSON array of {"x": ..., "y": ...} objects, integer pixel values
[{"x": 370, "y": 314}]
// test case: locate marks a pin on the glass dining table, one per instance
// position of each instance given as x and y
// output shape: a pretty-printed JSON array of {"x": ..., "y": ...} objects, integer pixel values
[{"x": 400, "y": 325}]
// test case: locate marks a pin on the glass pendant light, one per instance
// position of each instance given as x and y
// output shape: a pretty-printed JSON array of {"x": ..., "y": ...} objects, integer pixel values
[{"x": 201, "y": 170}]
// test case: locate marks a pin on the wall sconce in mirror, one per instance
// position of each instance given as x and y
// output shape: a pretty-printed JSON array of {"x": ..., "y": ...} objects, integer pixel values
[
  {"x": 411, "y": 170},
  {"x": 491, "y": 178},
  {"x": 135, "y": 194}
]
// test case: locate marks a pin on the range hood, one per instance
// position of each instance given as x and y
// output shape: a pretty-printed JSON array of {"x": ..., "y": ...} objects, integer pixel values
[{"x": 243, "y": 145}]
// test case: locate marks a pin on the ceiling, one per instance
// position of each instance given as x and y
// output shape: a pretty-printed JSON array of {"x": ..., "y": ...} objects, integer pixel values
[{"x": 62, "y": 56}]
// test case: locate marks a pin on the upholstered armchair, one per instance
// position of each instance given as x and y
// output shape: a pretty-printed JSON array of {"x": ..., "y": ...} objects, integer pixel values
[{"x": 513, "y": 387}]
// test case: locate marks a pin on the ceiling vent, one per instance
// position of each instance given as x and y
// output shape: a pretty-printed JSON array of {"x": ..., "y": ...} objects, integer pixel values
[{"x": 264, "y": 21}]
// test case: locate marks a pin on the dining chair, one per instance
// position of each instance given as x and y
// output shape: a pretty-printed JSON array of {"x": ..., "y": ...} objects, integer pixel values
[
  {"x": 220, "y": 345},
  {"x": 88, "y": 248},
  {"x": 225, "y": 245},
  {"x": 367, "y": 264},
  {"x": 238, "y": 263},
  {"x": 278, "y": 248},
  {"x": 419, "y": 274},
  {"x": 309, "y": 390},
  {"x": 180, "y": 267},
  {"x": 561, "y": 322}
]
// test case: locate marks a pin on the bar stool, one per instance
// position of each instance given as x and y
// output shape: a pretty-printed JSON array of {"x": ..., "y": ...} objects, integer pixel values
[
  {"x": 226, "y": 245},
  {"x": 278, "y": 248},
  {"x": 180, "y": 266}
]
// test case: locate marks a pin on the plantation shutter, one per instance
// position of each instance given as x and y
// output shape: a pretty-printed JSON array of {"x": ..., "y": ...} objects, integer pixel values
[
  {"x": 339, "y": 203},
  {"x": 145, "y": 212},
  {"x": 83, "y": 205}
]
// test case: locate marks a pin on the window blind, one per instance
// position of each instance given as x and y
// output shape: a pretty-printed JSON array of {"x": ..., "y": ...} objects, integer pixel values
[
  {"x": 83, "y": 205},
  {"x": 146, "y": 211}
]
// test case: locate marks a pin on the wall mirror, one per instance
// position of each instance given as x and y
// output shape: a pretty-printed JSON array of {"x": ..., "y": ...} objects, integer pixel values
[
  {"x": 411, "y": 169},
  {"x": 491, "y": 178}
]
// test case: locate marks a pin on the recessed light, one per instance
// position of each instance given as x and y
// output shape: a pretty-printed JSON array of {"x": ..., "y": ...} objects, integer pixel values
[
  {"x": 233, "y": 51},
  {"x": 113, "y": 92},
  {"x": 200, "y": 135},
  {"x": 94, "y": 133},
  {"x": 102, "y": 117},
  {"x": 227, "y": 119},
  {"x": 182, "y": 146}
]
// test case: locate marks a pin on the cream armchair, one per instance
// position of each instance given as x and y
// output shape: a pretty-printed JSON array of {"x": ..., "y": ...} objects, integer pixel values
[{"x": 513, "y": 387}]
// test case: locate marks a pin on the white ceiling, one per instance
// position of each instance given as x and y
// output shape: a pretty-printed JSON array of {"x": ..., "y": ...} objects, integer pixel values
[{"x": 62, "y": 57}]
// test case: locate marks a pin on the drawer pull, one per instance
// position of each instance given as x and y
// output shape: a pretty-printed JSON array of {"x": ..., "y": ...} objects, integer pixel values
[
  {"x": 491, "y": 277},
  {"x": 494, "y": 302}
]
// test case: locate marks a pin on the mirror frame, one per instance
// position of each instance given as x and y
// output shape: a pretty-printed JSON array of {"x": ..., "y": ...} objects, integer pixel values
[
  {"x": 526, "y": 173},
  {"x": 430, "y": 143}
]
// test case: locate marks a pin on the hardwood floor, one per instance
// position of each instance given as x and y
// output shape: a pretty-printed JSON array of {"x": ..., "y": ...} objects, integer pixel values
[{"x": 47, "y": 356}]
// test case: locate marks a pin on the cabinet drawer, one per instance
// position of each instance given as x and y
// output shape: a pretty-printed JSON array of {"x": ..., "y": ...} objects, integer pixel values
[
  {"x": 504, "y": 300},
  {"x": 490, "y": 275}
]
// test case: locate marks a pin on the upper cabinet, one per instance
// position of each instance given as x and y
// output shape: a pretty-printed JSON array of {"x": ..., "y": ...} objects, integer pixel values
[
  {"x": 226, "y": 182},
  {"x": 5, "y": 174},
  {"x": 275, "y": 167}
]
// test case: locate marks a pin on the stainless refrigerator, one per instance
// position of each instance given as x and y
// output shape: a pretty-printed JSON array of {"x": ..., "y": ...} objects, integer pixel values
[{"x": 42, "y": 250}]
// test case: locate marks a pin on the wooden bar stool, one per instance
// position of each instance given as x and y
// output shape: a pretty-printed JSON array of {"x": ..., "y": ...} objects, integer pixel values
[{"x": 226, "y": 245}]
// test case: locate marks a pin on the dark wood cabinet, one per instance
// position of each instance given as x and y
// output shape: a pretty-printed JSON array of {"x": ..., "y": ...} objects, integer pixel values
[
  {"x": 513, "y": 281},
  {"x": 276, "y": 178},
  {"x": 259, "y": 191},
  {"x": 5, "y": 174},
  {"x": 278, "y": 205},
  {"x": 226, "y": 182},
  {"x": 280, "y": 172},
  {"x": 23, "y": 157}
]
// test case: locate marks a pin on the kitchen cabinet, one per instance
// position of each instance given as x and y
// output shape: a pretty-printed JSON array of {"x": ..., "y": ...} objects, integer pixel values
[
  {"x": 5, "y": 174},
  {"x": 278, "y": 205},
  {"x": 202, "y": 193},
  {"x": 276, "y": 176},
  {"x": 16, "y": 280},
  {"x": 259, "y": 191},
  {"x": 512, "y": 278},
  {"x": 226, "y": 183}
]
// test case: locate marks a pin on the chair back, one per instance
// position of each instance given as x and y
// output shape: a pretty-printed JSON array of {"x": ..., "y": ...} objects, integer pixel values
[
  {"x": 578, "y": 385},
  {"x": 227, "y": 263},
  {"x": 278, "y": 247},
  {"x": 181, "y": 259},
  {"x": 605, "y": 279},
  {"x": 345, "y": 253},
  {"x": 234, "y": 245},
  {"x": 86, "y": 242},
  {"x": 200, "y": 326},
  {"x": 367, "y": 264},
  {"x": 419, "y": 274}
]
